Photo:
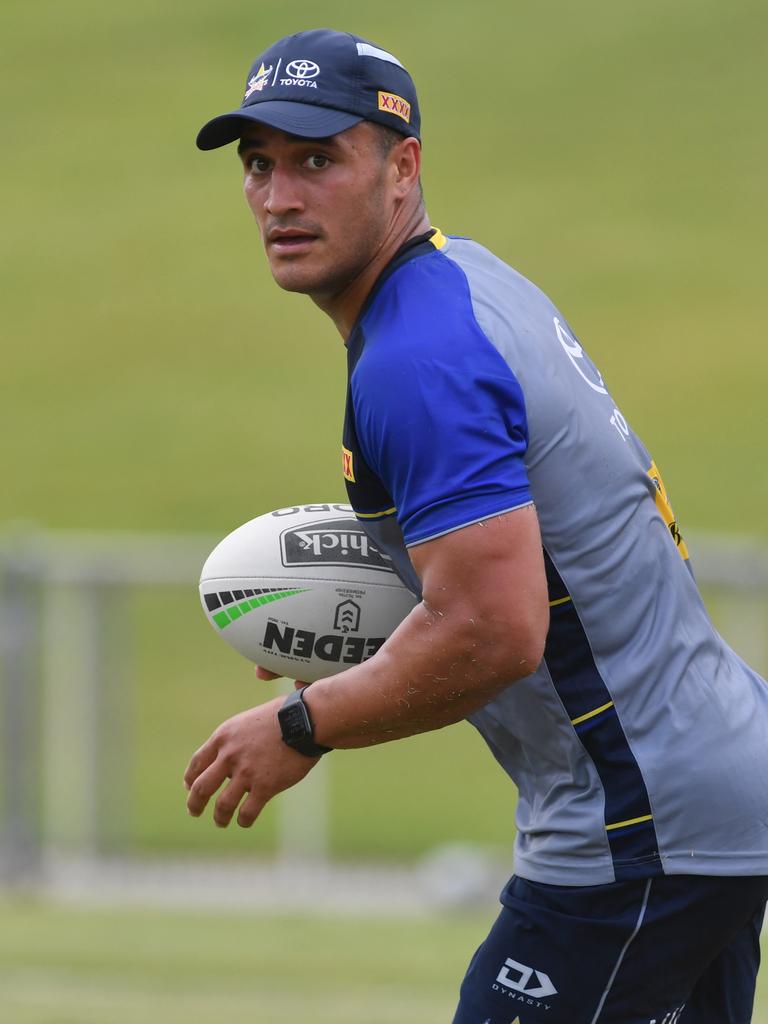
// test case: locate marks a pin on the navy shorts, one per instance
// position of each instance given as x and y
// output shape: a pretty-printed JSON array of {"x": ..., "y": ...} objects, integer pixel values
[{"x": 679, "y": 949}]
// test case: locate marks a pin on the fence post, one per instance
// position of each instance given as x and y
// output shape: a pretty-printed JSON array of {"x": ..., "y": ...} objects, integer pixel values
[
  {"x": 20, "y": 841},
  {"x": 303, "y": 818}
]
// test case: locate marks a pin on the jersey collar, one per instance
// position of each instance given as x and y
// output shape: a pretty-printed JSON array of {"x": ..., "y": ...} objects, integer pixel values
[{"x": 419, "y": 245}]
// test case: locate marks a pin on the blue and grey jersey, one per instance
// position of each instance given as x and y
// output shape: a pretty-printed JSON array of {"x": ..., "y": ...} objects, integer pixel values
[{"x": 640, "y": 745}]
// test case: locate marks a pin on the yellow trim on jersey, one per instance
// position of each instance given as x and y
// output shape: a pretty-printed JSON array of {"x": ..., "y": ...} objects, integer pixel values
[
  {"x": 438, "y": 239},
  {"x": 560, "y": 600},
  {"x": 664, "y": 506},
  {"x": 591, "y": 714},
  {"x": 376, "y": 515},
  {"x": 629, "y": 821}
]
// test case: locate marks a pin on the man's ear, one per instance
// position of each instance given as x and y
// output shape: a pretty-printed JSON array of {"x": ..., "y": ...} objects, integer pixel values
[{"x": 406, "y": 158}]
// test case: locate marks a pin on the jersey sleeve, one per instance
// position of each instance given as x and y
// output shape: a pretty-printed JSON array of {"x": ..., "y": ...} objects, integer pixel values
[{"x": 441, "y": 420}]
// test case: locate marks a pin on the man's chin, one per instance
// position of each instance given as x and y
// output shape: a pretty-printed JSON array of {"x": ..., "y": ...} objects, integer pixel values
[
  {"x": 302, "y": 280},
  {"x": 291, "y": 283}
]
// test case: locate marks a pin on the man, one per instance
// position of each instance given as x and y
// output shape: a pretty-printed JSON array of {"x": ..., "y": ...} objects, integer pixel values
[{"x": 485, "y": 455}]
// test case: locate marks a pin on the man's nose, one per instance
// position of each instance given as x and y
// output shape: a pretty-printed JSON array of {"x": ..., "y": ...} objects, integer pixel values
[{"x": 284, "y": 192}]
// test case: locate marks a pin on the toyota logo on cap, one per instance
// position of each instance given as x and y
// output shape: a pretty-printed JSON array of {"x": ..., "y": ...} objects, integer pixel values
[{"x": 302, "y": 69}]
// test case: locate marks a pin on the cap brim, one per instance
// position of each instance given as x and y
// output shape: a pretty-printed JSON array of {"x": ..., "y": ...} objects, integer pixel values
[{"x": 303, "y": 119}]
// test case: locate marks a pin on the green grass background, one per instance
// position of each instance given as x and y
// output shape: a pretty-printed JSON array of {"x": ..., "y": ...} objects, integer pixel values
[
  {"x": 65, "y": 966},
  {"x": 155, "y": 379}
]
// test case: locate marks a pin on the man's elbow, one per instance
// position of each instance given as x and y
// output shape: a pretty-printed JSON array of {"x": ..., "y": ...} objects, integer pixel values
[
  {"x": 508, "y": 648},
  {"x": 532, "y": 652},
  {"x": 522, "y": 648}
]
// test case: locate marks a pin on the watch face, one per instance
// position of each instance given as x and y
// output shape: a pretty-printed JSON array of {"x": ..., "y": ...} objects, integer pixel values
[{"x": 293, "y": 721}]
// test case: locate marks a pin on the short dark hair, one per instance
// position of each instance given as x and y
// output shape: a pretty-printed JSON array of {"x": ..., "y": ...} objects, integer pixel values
[{"x": 386, "y": 138}]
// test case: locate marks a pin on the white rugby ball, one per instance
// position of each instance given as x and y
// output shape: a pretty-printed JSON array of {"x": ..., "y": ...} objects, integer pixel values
[{"x": 303, "y": 592}]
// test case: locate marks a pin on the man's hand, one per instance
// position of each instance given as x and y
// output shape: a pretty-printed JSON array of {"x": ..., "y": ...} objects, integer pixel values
[
  {"x": 249, "y": 751},
  {"x": 266, "y": 676}
]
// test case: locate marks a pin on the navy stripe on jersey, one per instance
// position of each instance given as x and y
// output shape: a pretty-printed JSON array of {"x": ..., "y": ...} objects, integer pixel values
[
  {"x": 587, "y": 701},
  {"x": 366, "y": 493}
]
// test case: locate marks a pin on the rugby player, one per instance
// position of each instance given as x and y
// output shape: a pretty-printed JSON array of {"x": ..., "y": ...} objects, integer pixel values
[{"x": 484, "y": 453}]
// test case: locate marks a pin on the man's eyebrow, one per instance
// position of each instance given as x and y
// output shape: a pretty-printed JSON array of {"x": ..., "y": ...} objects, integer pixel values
[
  {"x": 244, "y": 144},
  {"x": 328, "y": 141}
]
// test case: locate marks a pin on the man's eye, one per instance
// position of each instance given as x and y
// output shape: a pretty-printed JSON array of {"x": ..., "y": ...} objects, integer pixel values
[
  {"x": 317, "y": 161},
  {"x": 258, "y": 165}
]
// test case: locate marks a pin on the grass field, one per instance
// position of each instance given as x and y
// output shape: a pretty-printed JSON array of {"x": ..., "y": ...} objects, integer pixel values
[
  {"x": 60, "y": 966},
  {"x": 107, "y": 967}
]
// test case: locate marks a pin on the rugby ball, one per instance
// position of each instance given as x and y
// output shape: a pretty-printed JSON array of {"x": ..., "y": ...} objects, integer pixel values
[{"x": 303, "y": 592}]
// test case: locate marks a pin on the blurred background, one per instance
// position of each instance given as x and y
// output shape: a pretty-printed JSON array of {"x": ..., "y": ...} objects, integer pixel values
[{"x": 159, "y": 390}]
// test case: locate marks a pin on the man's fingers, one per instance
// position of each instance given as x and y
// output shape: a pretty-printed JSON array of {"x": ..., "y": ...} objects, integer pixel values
[
  {"x": 200, "y": 760},
  {"x": 249, "y": 750},
  {"x": 265, "y": 674},
  {"x": 204, "y": 786},
  {"x": 228, "y": 801},
  {"x": 251, "y": 809}
]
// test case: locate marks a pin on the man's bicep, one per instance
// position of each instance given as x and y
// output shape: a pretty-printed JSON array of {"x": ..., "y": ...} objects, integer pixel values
[{"x": 493, "y": 569}]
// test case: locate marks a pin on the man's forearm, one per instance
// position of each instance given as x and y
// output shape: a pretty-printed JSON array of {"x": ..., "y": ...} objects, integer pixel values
[{"x": 436, "y": 669}]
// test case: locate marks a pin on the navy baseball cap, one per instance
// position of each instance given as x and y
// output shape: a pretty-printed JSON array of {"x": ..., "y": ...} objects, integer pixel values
[{"x": 319, "y": 83}]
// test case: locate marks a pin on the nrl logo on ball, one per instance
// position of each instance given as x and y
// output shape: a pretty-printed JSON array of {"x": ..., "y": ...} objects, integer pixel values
[{"x": 347, "y": 617}]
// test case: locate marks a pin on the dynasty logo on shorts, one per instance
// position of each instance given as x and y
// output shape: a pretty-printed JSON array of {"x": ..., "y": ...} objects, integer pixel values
[{"x": 524, "y": 984}]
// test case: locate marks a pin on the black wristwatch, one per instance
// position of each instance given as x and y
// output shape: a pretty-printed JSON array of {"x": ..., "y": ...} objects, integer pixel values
[{"x": 296, "y": 726}]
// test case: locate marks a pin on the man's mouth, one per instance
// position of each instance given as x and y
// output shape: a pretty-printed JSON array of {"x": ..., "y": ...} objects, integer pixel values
[{"x": 290, "y": 240}]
